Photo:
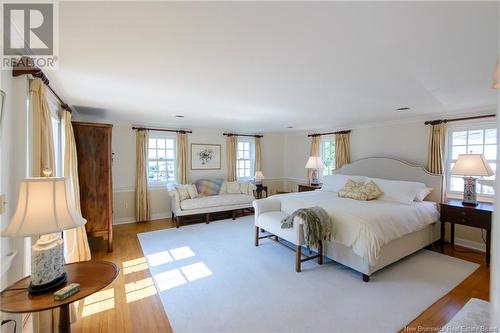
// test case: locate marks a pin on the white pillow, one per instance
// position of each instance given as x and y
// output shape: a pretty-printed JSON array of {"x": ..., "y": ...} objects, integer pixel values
[
  {"x": 422, "y": 194},
  {"x": 336, "y": 182},
  {"x": 183, "y": 191},
  {"x": 398, "y": 191},
  {"x": 192, "y": 190},
  {"x": 244, "y": 188},
  {"x": 233, "y": 188}
]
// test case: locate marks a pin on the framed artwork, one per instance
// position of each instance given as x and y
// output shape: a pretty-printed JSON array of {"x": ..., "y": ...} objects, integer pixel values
[
  {"x": 2, "y": 103},
  {"x": 205, "y": 156}
]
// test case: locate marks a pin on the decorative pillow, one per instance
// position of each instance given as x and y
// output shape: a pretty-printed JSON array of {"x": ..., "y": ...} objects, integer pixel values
[
  {"x": 423, "y": 193},
  {"x": 223, "y": 188},
  {"x": 353, "y": 190},
  {"x": 193, "y": 192},
  {"x": 336, "y": 182},
  {"x": 371, "y": 190},
  {"x": 183, "y": 191},
  {"x": 233, "y": 188},
  {"x": 244, "y": 188},
  {"x": 208, "y": 187}
]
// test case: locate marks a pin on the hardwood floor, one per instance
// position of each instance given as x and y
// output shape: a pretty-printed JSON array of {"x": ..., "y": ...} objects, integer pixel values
[{"x": 131, "y": 304}]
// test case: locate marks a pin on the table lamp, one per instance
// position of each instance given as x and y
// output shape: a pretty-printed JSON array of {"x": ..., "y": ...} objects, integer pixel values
[
  {"x": 469, "y": 165},
  {"x": 314, "y": 163},
  {"x": 45, "y": 206},
  {"x": 259, "y": 176}
]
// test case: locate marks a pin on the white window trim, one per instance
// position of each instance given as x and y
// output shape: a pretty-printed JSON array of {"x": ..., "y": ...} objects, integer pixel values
[
  {"x": 163, "y": 135},
  {"x": 466, "y": 127},
  {"x": 252, "y": 157}
]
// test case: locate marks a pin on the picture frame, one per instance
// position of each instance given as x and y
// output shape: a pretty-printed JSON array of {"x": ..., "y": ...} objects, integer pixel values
[
  {"x": 205, "y": 156},
  {"x": 2, "y": 103}
]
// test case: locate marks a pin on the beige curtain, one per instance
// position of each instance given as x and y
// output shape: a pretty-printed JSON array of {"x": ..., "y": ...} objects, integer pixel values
[
  {"x": 142, "y": 200},
  {"x": 182, "y": 152},
  {"x": 342, "y": 150},
  {"x": 76, "y": 245},
  {"x": 435, "y": 157},
  {"x": 43, "y": 140},
  {"x": 43, "y": 157},
  {"x": 315, "y": 151},
  {"x": 257, "y": 165},
  {"x": 231, "y": 158}
]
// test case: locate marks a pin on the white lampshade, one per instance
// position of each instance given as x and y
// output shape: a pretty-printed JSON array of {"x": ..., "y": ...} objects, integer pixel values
[
  {"x": 471, "y": 165},
  {"x": 45, "y": 206},
  {"x": 259, "y": 176},
  {"x": 314, "y": 162}
]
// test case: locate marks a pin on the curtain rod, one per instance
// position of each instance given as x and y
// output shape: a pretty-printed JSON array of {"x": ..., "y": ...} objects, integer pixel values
[
  {"x": 329, "y": 133},
  {"x": 25, "y": 66},
  {"x": 248, "y": 135},
  {"x": 161, "y": 130},
  {"x": 440, "y": 121}
]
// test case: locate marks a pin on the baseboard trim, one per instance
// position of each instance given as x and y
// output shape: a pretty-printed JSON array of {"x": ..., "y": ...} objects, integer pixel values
[
  {"x": 470, "y": 244},
  {"x": 131, "y": 219}
]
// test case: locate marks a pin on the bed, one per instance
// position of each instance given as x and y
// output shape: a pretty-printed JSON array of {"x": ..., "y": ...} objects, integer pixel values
[{"x": 400, "y": 229}]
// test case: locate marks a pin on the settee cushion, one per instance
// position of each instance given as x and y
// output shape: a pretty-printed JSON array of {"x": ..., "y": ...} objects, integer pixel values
[
  {"x": 216, "y": 201},
  {"x": 208, "y": 186}
]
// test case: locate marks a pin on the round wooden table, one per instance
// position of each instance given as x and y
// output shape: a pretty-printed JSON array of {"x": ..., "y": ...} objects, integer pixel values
[{"x": 91, "y": 275}]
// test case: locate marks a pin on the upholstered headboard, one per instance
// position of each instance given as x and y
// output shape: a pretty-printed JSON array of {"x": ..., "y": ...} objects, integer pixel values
[{"x": 394, "y": 169}]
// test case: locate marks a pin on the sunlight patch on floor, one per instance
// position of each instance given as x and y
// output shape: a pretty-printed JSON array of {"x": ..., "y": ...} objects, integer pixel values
[
  {"x": 182, "y": 253},
  {"x": 196, "y": 271},
  {"x": 159, "y": 258},
  {"x": 134, "y": 265},
  {"x": 139, "y": 289},
  {"x": 169, "y": 279},
  {"x": 99, "y": 302}
]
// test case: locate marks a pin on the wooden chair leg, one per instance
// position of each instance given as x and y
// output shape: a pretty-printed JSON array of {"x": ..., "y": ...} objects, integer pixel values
[
  {"x": 256, "y": 236},
  {"x": 207, "y": 218},
  {"x": 366, "y": 278},
  {"x": 234, "y": 214},
  {"x": 177, "y": 221},
  {"x": 320, "y": 253},
  {"x": 298, "y": 256}
]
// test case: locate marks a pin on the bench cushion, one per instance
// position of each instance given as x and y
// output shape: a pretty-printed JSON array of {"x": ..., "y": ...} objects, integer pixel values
[
  {"x": 271, "y": 222},
  {"x": 216, "y": 201}
]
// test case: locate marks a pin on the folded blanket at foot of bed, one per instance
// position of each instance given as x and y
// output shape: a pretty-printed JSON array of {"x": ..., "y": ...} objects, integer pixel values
[{"x": 317, "y": 224}]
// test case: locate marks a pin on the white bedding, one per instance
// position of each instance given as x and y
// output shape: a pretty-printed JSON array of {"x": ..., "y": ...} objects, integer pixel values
[{"x": 366, "y": 226}]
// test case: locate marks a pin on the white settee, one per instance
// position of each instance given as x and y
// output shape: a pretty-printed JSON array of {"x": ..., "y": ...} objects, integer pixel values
[{"x": 206, "y": 204}]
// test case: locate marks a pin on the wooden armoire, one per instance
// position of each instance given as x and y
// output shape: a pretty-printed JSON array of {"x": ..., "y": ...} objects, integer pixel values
[{"x": 93, "y": 146}]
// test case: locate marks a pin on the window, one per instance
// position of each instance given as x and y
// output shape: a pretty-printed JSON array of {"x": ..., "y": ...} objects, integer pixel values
[
  {"x": 161, "y": 160},
  {"x": 245, "y": 156},
  {"x": 474, "y": 140},
  {"x": 328, "y": 155}
]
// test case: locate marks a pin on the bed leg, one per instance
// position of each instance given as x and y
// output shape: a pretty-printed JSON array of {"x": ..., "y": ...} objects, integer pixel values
[
  {"x": 320, "y": 252},
  {"x": 366, "y": 278},
  {"x": 257, "y": 236},
  {"x": 298, "y": 255}
]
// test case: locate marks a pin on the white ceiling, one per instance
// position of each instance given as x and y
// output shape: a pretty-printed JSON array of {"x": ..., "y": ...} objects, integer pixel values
[{"x": 263, "y": 66}]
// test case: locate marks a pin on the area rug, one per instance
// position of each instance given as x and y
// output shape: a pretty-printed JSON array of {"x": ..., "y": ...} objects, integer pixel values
[{"x": 211, "y": 278}]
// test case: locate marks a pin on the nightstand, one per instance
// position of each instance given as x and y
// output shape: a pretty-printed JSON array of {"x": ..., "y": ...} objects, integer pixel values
[
  {"x": 259, "y": 190},
  {"x": 309, "y": 187},
  {"x": 479, "y": 216}
]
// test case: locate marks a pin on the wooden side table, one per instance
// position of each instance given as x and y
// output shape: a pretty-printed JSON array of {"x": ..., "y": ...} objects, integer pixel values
[
  {"x": 478, "y": 216},
  {"x": 91, "y": 275},
  {"x": 259, "y": 191},
  {"x": 309, "y": 187}
]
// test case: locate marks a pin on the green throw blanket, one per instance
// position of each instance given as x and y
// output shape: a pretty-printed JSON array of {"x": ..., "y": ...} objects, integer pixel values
[{"x": 317, "y": 224}]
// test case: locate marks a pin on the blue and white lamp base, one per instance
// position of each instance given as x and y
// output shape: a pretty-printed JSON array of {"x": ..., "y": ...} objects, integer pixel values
[{"x": 470, "y": 196}]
